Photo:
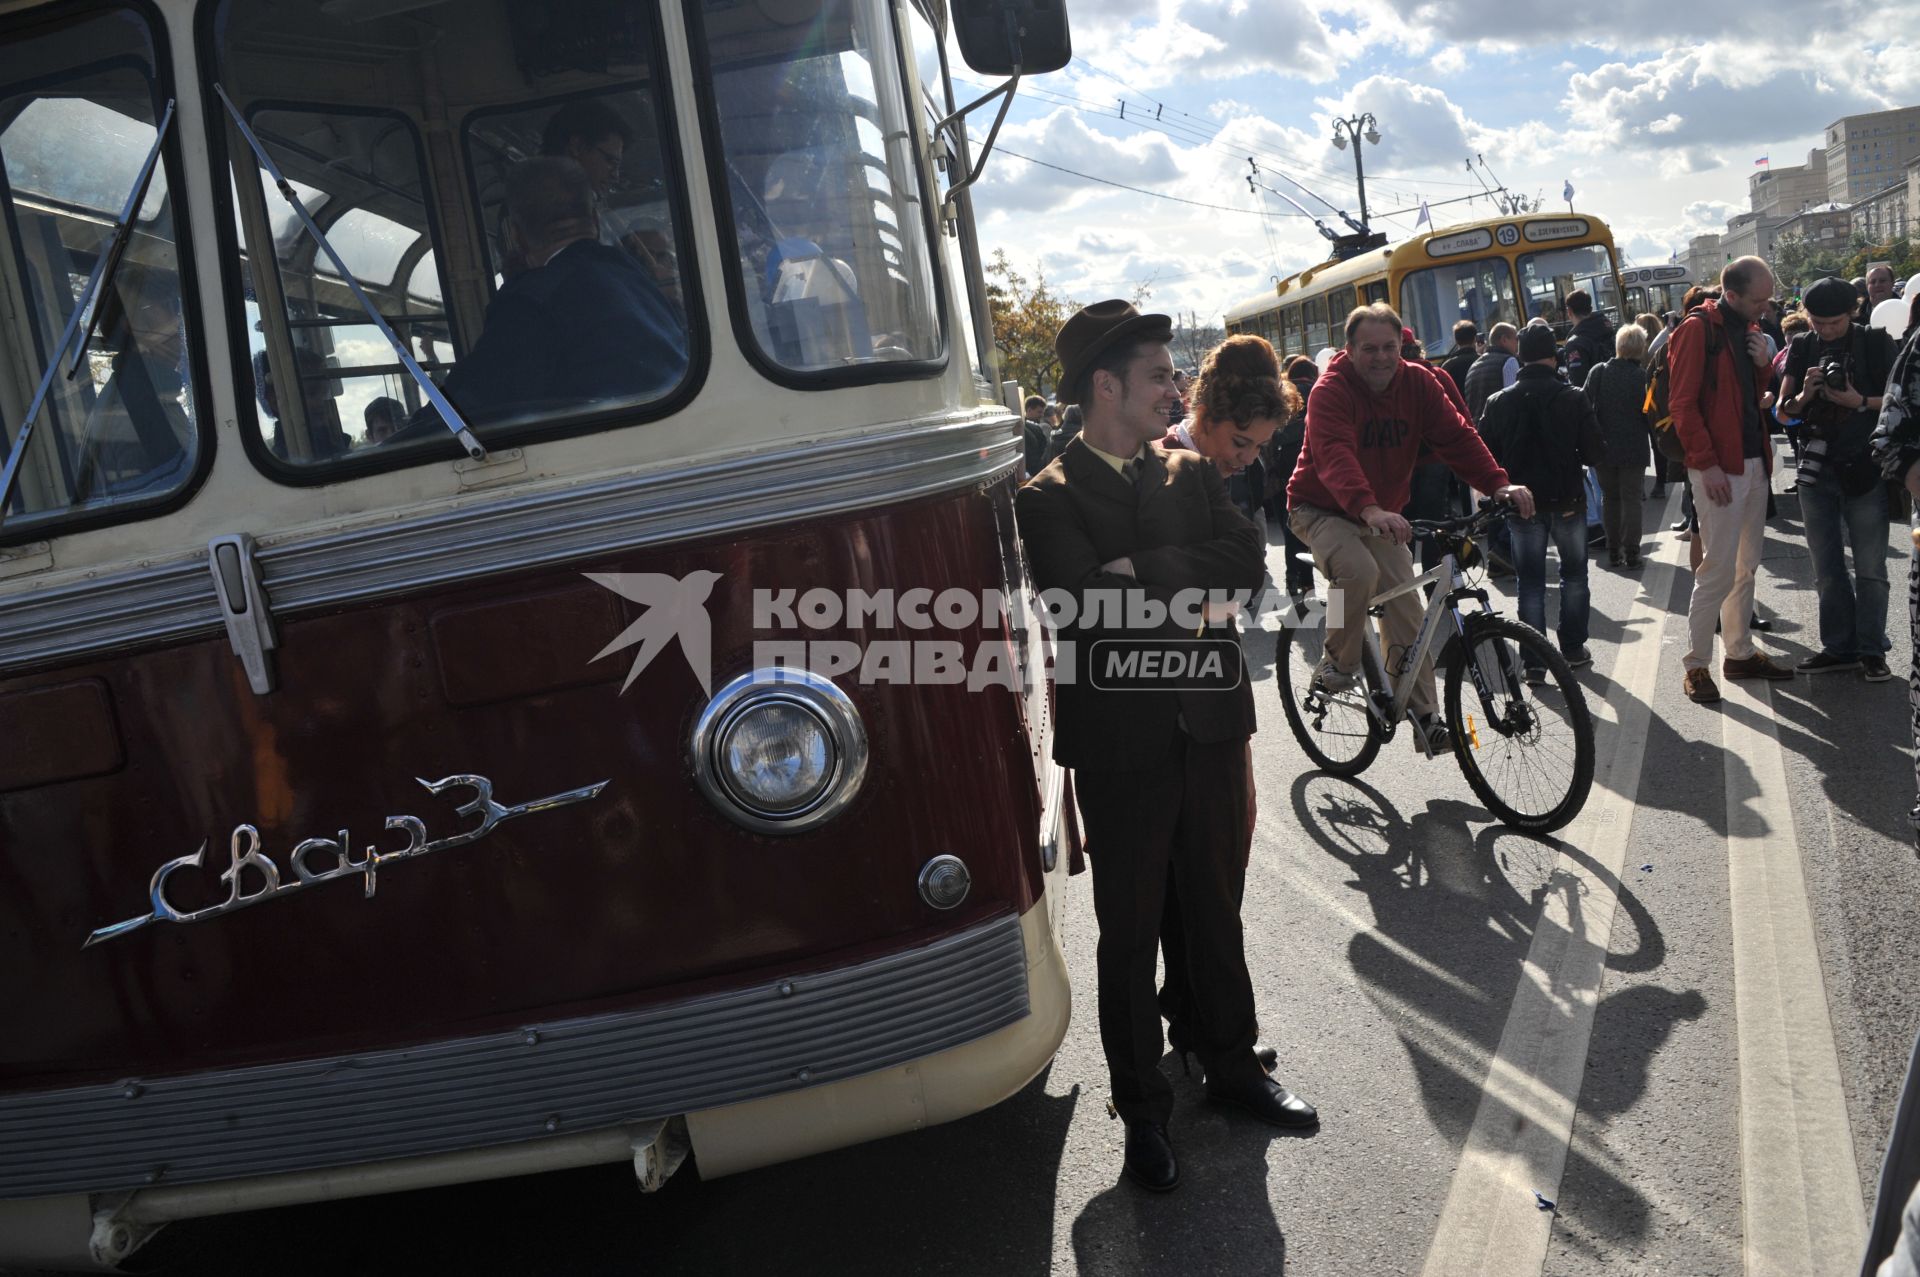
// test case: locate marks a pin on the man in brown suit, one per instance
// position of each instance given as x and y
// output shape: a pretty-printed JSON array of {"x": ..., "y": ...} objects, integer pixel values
[{"x": 1161, "y": 770}]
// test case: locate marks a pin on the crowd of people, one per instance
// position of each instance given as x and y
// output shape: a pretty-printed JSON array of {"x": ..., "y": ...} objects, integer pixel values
[{"x": 1157, "y": 480}]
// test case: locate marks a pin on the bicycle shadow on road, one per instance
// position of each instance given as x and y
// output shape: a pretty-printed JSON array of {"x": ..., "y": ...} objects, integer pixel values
[{"x": 1456, "y": 903}]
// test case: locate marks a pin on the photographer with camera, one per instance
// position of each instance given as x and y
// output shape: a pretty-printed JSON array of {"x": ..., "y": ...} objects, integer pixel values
[{"x": 1834, "y": 380}]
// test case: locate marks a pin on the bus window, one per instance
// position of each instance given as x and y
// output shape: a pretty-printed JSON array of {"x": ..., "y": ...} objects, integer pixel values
[
  {"x": 1341, "y": 304},
  {"x": 1434, "y": 299},
  {"x": 541, "y": 288},
  {"x": 1605, "y": 299},
  {"x": 1292, "y": 333},
  {"x": 348, "y": 390},
  {"x": 1315, "y": 314},
  {"x": 80, "y": 101},
  {"x": 1374, "y": 292},
  {"x": 937, "y": 102},
  {"x": 822, "y": 187},
  {"x": 1547, "y": 277}
]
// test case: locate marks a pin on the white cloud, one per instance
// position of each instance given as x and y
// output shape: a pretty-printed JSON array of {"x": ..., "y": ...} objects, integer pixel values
[
  {"x": 1148, "y": 47},
  {"x": 1451, "y": 60},
  {"x": 1701, "y": 103}
]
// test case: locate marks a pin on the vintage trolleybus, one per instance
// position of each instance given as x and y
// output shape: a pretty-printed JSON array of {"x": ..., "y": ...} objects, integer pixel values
[
  {"x": 1655, "y": 290},
  {"x": 394, "y": 790},
  {"x": 1509, "y": 269}
]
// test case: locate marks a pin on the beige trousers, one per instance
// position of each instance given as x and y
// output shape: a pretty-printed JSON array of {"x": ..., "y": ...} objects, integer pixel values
[
  {"x": 1730, "y": 538},
  {"x": 1359, "y": 565}
]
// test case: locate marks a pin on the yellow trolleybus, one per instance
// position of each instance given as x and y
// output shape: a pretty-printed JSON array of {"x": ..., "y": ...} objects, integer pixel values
[{"x": 1509, "y": 268}]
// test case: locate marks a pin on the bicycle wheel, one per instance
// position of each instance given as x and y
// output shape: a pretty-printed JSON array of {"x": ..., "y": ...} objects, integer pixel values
[
  {"x": 1528, "y": 751},
  {"x": 1334, "y": 728}
]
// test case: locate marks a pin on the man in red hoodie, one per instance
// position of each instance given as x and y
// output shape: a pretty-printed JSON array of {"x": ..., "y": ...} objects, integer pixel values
[
  {"x": 1370, "y": 413},
  {"x": 1719, "y": 366}
]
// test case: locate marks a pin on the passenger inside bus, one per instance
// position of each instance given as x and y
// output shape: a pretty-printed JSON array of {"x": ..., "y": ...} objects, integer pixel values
[
  {"x": 136, "y": 434},
  {"x": 580, "y": 321},
  {"x": 383, "y": 419},
  {"x": 318, "y": 387},
  {"x": 594, "y": 136}
]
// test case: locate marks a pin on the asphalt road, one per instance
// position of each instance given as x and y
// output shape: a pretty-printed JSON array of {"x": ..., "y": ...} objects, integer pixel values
[{"x": 1390, "y": 923}]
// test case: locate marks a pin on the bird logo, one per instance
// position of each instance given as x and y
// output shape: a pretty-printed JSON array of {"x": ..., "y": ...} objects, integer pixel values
[{"x": 676, "y": 608}]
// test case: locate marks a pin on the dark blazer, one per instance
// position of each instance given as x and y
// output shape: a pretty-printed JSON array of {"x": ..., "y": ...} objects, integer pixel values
[
  {"x": 1181, "y": 532},
  {"x": 589, "y": 325}
]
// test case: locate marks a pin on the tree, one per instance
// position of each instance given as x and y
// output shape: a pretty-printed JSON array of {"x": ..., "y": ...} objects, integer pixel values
[
  {"x": 1025, "y": 318},
  {"x": 1192, "y": 339},
  {"x": 1900, "y": 253},
  {"x": 1797, "y": 263}
]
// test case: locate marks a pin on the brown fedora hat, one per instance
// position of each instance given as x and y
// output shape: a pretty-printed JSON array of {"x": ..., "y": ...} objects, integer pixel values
[{"x": 1095, "y": 329}]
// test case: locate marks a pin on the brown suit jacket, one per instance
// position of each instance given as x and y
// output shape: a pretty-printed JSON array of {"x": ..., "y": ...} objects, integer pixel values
[{"x": 1181, "y": 531}]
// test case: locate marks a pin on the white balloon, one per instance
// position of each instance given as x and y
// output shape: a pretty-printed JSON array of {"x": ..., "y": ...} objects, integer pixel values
[
  {"x": 1891, "y": 315},
  {"x": 1912, "y": 284},
  {"x": 1325, "y": 357}
]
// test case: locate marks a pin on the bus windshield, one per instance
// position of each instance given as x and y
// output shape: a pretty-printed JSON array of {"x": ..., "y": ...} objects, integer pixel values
[
  {"x": 122, "y": 432},
  {"x": 829, "y": 221},
  {"x": 538, "y": 284},
  {"x": 1549, "y": 276},
  {"x": 1434, "y": 299}
]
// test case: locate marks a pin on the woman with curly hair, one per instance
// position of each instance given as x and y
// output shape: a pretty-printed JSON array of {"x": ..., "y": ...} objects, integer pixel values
[{"x": 1237, "y": 403}]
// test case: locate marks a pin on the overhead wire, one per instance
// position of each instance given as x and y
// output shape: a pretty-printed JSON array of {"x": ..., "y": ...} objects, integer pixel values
[
  {"x": 1192, "y": 136},
  {"x": 1302, "y": 165},
  {"x": 1137, "y": 190}
]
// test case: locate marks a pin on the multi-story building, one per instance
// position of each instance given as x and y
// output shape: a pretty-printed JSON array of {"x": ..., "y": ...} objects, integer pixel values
[
  {"x": 1791, "y": 190},
  {"x": 1882, "y": 216},
  {"x": 1868, "y": 153},
  {"x": 1704, "y": 257},
  {"x": 1828, "y": 225},
  {"x": 1749, "y": 235}
]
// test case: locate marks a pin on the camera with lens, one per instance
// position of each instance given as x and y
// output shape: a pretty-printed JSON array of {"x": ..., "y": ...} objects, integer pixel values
[{"x": 1834, "y": 371}]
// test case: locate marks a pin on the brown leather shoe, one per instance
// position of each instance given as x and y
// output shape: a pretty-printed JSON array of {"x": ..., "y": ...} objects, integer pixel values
[
  {"x": 1701, "y": 689},
  {"x": 1755, "y": 666}
]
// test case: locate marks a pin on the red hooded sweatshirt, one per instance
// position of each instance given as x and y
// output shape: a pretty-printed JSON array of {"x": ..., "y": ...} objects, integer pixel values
[{"x": 1361, "y": 447}]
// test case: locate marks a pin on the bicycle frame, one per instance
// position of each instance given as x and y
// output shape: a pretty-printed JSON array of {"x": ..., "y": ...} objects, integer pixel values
[{"x": 1443, "y": 602}]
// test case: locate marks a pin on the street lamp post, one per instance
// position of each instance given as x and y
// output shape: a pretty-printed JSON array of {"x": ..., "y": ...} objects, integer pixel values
[{"x": 1352, "y": 128}]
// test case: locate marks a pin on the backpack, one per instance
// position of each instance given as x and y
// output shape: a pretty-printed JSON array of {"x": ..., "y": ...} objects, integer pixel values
[
  {"x": 1532, "y": 449},
  {"x": 1660, "y": 387}
]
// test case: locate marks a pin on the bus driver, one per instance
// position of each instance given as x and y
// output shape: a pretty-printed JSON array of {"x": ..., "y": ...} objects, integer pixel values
[
  {"x": 583, "y": 322},
  {"x": 1367, "y": 419}
]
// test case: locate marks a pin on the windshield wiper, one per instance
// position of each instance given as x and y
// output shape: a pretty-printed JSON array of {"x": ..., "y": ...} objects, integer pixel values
[
  {"x": 87, "y": 312},
  {"x": 449, "y": 416}
]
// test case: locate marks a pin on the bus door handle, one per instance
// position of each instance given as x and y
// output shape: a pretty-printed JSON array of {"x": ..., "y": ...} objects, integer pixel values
[{"x": 244, "y": 607}]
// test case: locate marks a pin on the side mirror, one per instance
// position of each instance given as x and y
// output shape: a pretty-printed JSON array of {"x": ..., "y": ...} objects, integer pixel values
[{"x": 998, "y": 37}]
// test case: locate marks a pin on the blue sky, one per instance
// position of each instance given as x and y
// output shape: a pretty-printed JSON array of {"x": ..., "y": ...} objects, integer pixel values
[{"x": 1657, "y": 131}]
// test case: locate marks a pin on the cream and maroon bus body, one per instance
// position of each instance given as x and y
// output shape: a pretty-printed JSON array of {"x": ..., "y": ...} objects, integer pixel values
[{"x": 265, "y": 624}]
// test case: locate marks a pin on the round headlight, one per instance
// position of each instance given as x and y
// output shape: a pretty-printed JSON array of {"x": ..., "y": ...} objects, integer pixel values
[
  {"x": 776, "y": 757},
  {"x": 780, "y": 751}
]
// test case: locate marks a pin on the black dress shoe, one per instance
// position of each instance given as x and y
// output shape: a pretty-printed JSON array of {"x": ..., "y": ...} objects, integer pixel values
[
  {"x": 1183, "y": 1047},
  {"x": 1150, "y": 1161},
  {"x": 1681, "y": 526},
  {"x": 1267, "y": 1100}
]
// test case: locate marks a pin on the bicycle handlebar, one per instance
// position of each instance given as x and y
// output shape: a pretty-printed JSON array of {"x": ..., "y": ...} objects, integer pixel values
[{"x": 1484, "y": 517}]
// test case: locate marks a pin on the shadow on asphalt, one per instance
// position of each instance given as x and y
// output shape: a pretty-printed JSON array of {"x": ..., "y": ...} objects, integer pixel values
[
  {"x": 973, "y": 1196},
  {"x": 1454, "y": 915}
]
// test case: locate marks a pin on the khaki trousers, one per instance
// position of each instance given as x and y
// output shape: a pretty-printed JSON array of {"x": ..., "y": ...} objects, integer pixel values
[
  {"x": 1730, "y": 538},
  {"x": 1359, "y": 565}
]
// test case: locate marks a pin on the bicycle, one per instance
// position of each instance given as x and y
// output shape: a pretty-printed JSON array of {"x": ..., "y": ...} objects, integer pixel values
[{"x": 1527, "y": 752}]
